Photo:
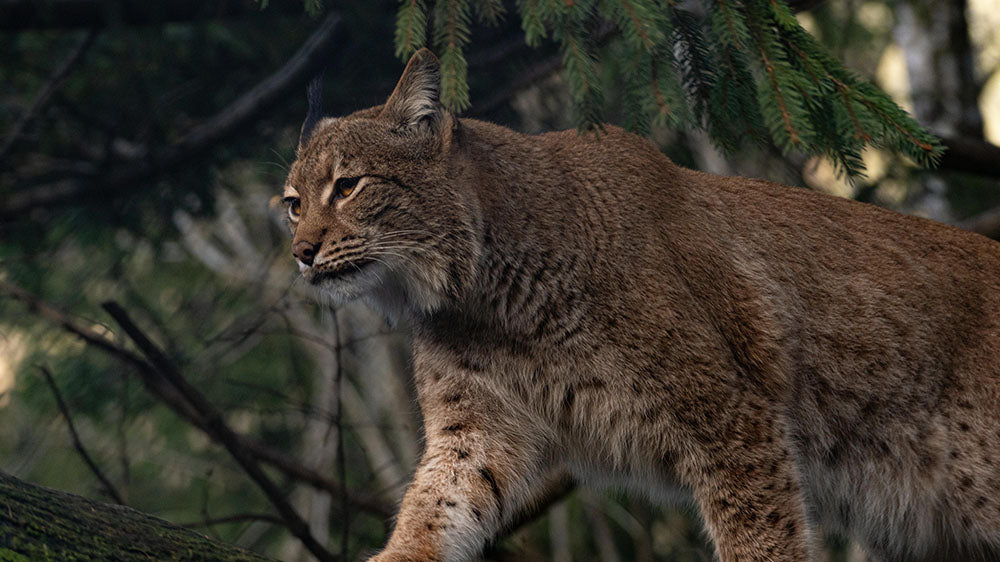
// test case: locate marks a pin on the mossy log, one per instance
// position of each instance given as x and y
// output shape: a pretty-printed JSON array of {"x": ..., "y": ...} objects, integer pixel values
[{"x": 38, "y": 523}]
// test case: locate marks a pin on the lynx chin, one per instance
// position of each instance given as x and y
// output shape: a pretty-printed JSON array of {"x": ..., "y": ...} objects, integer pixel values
[{"x": 792, "y": 363}]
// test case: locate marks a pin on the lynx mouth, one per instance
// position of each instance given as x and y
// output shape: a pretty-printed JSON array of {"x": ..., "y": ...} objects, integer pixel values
[{"x": 346, "y": 270}]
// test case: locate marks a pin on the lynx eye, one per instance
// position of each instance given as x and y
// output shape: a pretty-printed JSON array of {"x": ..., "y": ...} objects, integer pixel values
[
  {"x": 344, "y": 187},
  {"x": 294, "y": 207}
]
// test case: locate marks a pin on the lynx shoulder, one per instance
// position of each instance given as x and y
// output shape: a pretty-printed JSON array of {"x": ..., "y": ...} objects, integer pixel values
[{"x": 792, "y": 363}]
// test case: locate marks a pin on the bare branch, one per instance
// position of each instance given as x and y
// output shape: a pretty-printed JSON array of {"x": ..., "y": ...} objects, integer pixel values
[
  {"x": 63, "y": 320},
  {"x": 297, "y": 471},
  {"x": 154, "y": 383},
  {"x": 45, "y": 94},
  {"x": 604, "y": 32},
  {"x": 338, "y": 383},
  {"x": 77, "y": 444},
  {"x": 158, "y": 386},
  {"x": 971, "y": 156},
  {"x": 527, "y": 78},
  {"x": 198, "y": 142},
  {"x": 217, "y": 428}
]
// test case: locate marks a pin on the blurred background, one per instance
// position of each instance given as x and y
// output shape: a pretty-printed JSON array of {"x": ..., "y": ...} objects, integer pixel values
[{"x": 140, "y": 145}]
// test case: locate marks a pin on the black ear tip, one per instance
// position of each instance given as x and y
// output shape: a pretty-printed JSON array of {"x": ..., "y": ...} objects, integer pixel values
[
  {"x": 424, "y": 57},
  {"x": 314, "y": 98},
  {"x": 314, "y": 91}
]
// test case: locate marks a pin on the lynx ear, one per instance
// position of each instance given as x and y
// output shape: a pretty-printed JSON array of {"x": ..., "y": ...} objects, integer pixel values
[
  {"x": 314, "y": 96},
  {"x": 416, "y": 99}
]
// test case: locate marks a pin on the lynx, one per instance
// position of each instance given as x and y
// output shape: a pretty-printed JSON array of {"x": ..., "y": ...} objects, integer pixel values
[{"x": 792, "y": 363}]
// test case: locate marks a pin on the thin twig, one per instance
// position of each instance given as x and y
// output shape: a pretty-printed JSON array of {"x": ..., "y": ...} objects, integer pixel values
[
  {"x": 77, "y": 443},
  {"x": 216, "y": 427},
  {"x": 158, "y": 386},
  {"x": 154, "y": 383},
  {"x": 45, "y": 94},
  {"x": 368, "y": 502},
  {"x": 338, "y": 382}
]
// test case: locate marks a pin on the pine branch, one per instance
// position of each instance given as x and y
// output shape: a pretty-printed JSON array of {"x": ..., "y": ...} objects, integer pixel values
[
  {"x": 490, "y": 12},
  {"x": 860, "y": 133},
  {"x": 532, "y": 21},
  {"x": 784, "y": 92},
  {"x": 796, "y": 94},
  {"x": 581, "y": 73},
  {"x": 640, "y": 22},
  {"x": 910, "y": 138},
  {"x": 411, "y": 28},
  {"x": 733, "y": 101},
  {"x": 671, "y": 108},
  {"x": 786, "y": 116},
  {"x": 451, "y": 31},
  {"x": 694, "y": 61}
]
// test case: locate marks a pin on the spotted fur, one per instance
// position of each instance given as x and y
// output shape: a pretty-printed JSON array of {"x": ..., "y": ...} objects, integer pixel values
[{"x": 787, "y": 360}]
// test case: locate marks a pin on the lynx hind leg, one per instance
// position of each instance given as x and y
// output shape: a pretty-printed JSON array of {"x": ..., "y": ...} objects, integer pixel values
[
  {"x": 481, "y": 464},
  {"x": 749, "y": 494}
]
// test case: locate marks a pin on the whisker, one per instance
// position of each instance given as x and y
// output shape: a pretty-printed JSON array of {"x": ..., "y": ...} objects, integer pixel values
[
  {"x": 403, "y": 257},
  {"x": 398, "y": 246},
  {"x": 284, "y": 163},
  {"x": 386, "y": 248},
  {"x": 406, "y": 232}
]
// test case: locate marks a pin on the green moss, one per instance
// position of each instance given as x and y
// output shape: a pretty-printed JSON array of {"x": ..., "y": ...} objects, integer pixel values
[
  {"x": 41, "y": 524},
  {"x": 7, "y": 555}
]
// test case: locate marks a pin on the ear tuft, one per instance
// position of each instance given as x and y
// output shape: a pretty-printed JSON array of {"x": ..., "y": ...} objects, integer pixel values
[
  {"x": 314, "y": 97},
  {"x": 416, "y": 99}
]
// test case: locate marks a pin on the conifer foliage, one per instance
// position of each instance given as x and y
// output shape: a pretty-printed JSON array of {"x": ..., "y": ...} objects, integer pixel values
[{"x": 744, "y": 70}]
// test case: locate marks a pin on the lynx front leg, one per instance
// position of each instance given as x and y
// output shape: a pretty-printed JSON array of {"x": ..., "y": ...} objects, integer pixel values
[
  {"x": 750, "y": 497},
  {"x": 482, "y": 461}
]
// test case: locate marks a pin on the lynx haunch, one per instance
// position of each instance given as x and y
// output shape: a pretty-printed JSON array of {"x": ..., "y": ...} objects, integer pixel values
[{"x": 793, "y": 363}]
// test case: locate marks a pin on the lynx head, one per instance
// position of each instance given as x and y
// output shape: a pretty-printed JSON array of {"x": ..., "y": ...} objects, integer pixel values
[{"x": 376, "y": 202}]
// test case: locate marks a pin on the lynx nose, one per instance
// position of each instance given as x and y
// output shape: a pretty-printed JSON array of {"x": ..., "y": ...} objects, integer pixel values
[{"x": 305, "y": 251}]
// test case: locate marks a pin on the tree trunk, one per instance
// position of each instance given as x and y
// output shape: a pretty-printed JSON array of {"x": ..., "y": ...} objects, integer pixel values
[{"x": 42, "y": 524}]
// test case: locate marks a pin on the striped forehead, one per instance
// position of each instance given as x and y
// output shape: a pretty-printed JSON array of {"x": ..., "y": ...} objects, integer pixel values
[
  {"x": 321, "y": 140},
  {"x": 319, "y": 158}
]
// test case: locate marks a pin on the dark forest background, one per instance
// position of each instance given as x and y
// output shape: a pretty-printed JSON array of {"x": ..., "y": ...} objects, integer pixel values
[{"x": 140, "y": 147}]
